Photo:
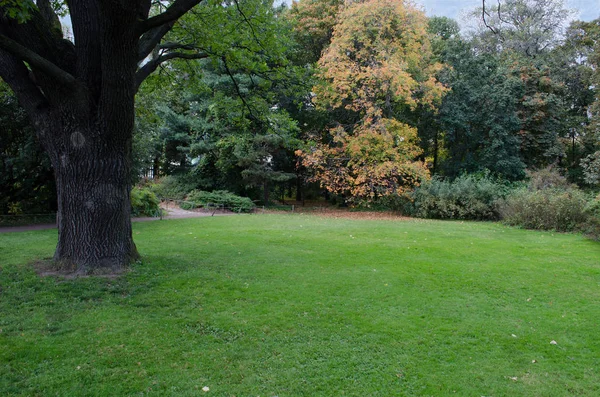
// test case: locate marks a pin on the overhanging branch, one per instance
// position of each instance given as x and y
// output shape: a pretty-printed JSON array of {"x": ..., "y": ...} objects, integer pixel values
[
  {"x": 484, "y": 13},
  {"x": 172, "y": 14},
  {"x": 238, "y": 91},
  {"x": 150, "y": 66},
  {"x": 36, "y": 61},
  {"x": 150, "y": 39},
  {"x": 16, "y": 75}
]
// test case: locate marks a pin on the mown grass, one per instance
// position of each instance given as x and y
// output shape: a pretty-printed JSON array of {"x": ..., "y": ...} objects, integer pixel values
[{"x": 299, "y": 305}]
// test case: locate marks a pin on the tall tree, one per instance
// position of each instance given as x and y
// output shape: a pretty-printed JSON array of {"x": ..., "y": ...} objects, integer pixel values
[
  {"x": 479, "y": 116},
  {"x": 523, "y": 33},
  {"x": 226, "y": 126},
  {"x": 313, "y": 22},
  {"x": 590, "y": 36},
  {"x": 529, "y": 27},
  {"x": 80, "y": 99},
  {"x": 376, "y": 66}
]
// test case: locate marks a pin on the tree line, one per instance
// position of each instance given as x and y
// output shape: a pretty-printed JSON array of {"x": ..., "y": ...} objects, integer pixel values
[
  {"x": 359, "y": 101},
  {"x": 366, "y": 100}
]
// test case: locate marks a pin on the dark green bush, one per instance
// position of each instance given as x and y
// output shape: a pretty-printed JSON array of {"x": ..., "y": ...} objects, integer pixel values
[
  {"x": 472, "y": 197},
  {"x": 222, "y": 198},
  {"x": 144, "y": 202},
  {"x": 547, "y": 209}
]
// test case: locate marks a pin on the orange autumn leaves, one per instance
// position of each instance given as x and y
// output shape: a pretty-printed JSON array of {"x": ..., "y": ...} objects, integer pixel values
[
  {"x": 371, "y": 162},
  {"x": 376, "y": 65}
]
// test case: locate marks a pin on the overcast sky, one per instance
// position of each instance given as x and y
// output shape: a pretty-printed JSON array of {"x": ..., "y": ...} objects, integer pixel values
[{"x": 587, "y": 9}]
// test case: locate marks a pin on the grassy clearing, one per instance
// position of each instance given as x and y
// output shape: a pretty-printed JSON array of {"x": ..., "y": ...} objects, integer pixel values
[{"x": 298, "y": 305}]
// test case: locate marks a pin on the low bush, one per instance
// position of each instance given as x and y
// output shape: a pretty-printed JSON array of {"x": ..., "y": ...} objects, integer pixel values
[
  {"x": 144, "y": 202},
  {"x": 546, "y": 209},
  {"x": 548, "y": 178},
  {"x": 472, "y": 197},
  {"x": 591, "y": 227},
  {"x": 200, "y": 198},
  {"x": 171, "y": 187}
]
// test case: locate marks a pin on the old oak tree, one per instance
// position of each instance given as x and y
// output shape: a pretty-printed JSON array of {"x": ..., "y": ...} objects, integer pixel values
[{"x": 79, "y": 97}]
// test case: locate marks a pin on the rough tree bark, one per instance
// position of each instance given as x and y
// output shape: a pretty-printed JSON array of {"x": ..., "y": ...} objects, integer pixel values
[{"x": 80, "y": 99}]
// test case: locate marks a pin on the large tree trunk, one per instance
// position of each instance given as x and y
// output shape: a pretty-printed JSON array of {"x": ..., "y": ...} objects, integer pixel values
[
  {"x": 94, "y": 225},
  {"x": 80, "y": 98}
]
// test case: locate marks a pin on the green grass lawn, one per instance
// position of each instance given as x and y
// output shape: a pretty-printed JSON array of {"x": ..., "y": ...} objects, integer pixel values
[{"x": 298, "y": 305}]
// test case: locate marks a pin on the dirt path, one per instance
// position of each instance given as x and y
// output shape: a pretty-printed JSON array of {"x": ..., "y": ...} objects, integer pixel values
[{"x": 172, "y": 213}]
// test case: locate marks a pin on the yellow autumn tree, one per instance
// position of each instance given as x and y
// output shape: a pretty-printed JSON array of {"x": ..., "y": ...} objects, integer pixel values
[{"x": 377, "y": 66}]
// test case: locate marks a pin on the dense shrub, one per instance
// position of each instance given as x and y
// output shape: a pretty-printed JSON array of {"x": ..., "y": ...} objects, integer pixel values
[
  {"x": 473, "y": 197},
  {"x": 546, "y": 209},
  {"x": 547, "y": 178},
  {"x": 549, "y": 202},
  {"x": 144, "y": 202},
  {"x": 171, "y": 187},
  {"x": 591, "y": 227},
  {"x": 199, "y": 198}
]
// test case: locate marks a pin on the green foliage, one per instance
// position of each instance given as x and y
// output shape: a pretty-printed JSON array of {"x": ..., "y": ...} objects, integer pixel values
[
  {"x": 549, "y": 202},
  {"x": 591, "y": 227},
  {"x": 479, "y": 115},
  {"x": 313, "y": 22},
  {"x": 470, "y": 196},
  {"x": 18, "y": 10},
  {"x": 529, "y": 28},
  {"x": 226, "y": 126},
  {"x": 591, "y": 169},
  {"x": 547, "y": 178},
  {"x": 172, "y": 187},
  {"x": 562, "y": 210},
  {"x": 144, "y": 202},
  {"x": 220, "y": 198},
  {"x": 26, "y": 177}
]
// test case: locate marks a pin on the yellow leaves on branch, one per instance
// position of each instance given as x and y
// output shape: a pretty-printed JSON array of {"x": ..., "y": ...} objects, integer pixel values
[
  {"x": 379, "y": 60},
  {"x": 379, "y": 50},
  {"x": 375, "y": 161}
]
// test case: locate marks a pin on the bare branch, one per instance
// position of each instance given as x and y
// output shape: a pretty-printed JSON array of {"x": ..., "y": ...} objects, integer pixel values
[
  {"x": 484, "y": 13},
  {"x": 36, "y": 61},
  {"x": 172, "y": 14}
]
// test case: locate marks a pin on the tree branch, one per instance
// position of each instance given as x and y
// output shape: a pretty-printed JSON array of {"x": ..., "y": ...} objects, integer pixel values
[
  {"x": 238, "y": 91},
  {"x": 36, "y": 61},
  {"x": 483, "y": 15},
  {"x": 172, "y": 14},
  {"x": 239, "y": 9},
  {"x": 50, "y": 17},
  {"x": 16, "y": 75},
  {"x": 153, "y": 64},
  {"x": 150, "y": 39}
]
